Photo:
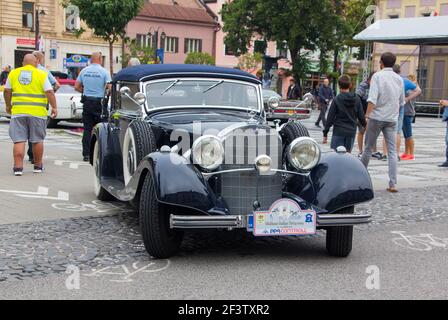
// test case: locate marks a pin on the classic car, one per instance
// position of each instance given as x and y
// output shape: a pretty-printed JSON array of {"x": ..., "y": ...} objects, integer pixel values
[
  {"x": 68, "y": 102},
  {"x": 190, "y": 147},
  {"x": 277, "y": 108}
]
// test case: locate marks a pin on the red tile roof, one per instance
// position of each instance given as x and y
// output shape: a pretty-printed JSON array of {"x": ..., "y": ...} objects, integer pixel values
[{"x": 176, "y": 12}]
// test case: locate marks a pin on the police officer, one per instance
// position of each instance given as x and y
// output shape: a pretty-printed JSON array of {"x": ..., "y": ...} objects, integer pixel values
[
  {"x": 92, "y": 82},
  {"x": 54, "y": 83},
  {"x": 27, "y": 94}
]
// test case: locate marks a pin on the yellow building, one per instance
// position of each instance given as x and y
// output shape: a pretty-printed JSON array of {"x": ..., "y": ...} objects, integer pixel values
[
  {"x": 58, "y": 36},
  {"x": 433, "y": 62}
]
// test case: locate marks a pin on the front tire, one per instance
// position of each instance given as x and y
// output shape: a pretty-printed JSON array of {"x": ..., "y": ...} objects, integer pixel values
[
  {"x": 340, "y": 239},
  {"x": 139, "y": 141},
  {"x": 160, "y": 240}
]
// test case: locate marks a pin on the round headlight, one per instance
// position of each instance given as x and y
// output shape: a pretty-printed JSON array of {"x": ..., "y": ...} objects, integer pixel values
[
  {"x": 304, "y": 153},
  {"x": 208, "y": 152},
  {"x": 273, "y": 103}
]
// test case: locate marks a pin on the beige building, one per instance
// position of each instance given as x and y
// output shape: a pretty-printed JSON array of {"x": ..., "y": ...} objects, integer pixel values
[
  {"x": 58, "y": 36},
  {"x": 433, "y": 62}
]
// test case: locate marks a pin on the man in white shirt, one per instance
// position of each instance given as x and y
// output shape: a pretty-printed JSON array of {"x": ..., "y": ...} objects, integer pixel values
[{"x": 386, "y": 95}]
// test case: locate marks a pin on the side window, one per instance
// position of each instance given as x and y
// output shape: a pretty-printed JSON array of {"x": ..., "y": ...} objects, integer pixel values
[{"x": 125, "y": 103}]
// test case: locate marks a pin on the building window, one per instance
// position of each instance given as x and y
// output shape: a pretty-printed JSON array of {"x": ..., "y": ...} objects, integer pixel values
[
  {"x": 27, "y": 14},
  {"x": 72, "y": 20},
  {"x": 260, "y": 46},
  {"x": 172, "y": 44},
  {"x": 228, "y": 51},
  {"x": 143, "y": 40},
  {"x": 409, "y": 12},
  {"x": 193, "y": 45},
  {"x": 393, "y": 4}
]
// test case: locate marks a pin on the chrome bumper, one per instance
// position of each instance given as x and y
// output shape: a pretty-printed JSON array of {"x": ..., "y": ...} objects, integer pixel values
[{"x": 241, "y": 222}]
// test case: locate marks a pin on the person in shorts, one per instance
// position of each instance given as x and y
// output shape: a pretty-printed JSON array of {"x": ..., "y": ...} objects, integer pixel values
[
  {"x": 345, "y": 113},
  {"x": 27, "y": 93},
  {"x": 412, "y": 91}
]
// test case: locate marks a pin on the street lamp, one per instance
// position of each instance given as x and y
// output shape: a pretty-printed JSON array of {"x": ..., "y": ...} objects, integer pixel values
[
  {"x": 39, "y": 12},
  {"x": 154, "y": 33}
]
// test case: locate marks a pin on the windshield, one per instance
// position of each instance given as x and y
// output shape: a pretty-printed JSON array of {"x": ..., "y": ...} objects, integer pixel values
[{"x": 206, "y": 93}]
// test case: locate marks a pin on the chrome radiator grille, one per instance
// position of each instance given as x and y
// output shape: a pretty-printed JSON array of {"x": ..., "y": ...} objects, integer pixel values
[{"x": 241, "y": 189}]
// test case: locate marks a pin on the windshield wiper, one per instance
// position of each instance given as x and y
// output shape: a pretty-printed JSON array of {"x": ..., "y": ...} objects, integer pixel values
[
  {"x": 213, "y": 86},
  {"x": 170, "y": 86}
]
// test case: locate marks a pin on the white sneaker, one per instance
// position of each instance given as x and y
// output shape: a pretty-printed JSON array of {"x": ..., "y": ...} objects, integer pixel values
[
  {"x": 38, "y": 169},
  {"x": 18, "y": 172}
]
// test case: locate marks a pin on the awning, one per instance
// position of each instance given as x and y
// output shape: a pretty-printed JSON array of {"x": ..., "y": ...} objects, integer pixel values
[{"x": 412, "y": 31}]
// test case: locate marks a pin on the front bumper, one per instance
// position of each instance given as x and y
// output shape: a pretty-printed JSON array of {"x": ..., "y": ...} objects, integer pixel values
[{"x": 242, "y": 222}]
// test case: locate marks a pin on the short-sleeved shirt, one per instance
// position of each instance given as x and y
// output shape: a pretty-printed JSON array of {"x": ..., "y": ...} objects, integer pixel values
[
  {"x": 387, "y": 94},
  {"x": 94, "y": 79},
  {"x": 47, "y": 85},
  {"x": 51, "y": 78},
  {"x": 409, "y": 85}
]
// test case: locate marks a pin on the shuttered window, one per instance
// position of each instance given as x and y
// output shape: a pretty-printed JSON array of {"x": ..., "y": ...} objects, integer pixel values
[
  {"x": 192, "y": 45},
  {"x": 172, "y": 44}
]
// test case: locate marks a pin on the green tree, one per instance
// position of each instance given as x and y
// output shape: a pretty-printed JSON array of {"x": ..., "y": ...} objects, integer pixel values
[
  {"x": 301, "y": 24},
  {"x": 107, "y": 18},
  {"x": 200, "y": 58},
  {"x": 142, "y": 53},
  {"x": 249, "y": 62}
]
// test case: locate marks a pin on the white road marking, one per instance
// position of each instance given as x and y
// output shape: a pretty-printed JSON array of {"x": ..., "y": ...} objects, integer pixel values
[
  {"x": 42, "y": 193},
  {"x": 71, "y": 164}
]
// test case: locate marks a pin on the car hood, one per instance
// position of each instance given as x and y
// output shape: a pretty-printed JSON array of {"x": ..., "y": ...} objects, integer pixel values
[
  {"x": 197, "y": 122},
  {"x": 206, "y": 120}
]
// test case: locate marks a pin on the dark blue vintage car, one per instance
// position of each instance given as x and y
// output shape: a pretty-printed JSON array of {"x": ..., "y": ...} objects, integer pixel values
[{"x": 189, "y": 146}]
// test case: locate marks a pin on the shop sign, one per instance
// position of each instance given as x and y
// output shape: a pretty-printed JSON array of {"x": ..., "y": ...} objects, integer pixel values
[
  {"x": 23, "y": 42},
  {"x": 76, "y": 61}
]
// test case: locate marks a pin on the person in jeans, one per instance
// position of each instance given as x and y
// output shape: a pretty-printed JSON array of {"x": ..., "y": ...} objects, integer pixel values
[
  {"x": 409, "y": 116},
  {"x": 92, "y": 82},
  {"x": 385, "y": 98},
  {"x": 325, "y": 96},
  {"x": 363, "y": 93},
  {"x": 345, "y": 113},
  {"x": 444, "y": 103}
]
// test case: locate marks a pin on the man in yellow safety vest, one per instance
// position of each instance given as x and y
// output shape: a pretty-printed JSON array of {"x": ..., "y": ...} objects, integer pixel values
[{"x": 27, "y": 93}]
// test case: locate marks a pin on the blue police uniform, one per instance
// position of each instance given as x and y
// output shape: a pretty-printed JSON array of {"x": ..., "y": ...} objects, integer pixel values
[{"x": 94, "y": 79}]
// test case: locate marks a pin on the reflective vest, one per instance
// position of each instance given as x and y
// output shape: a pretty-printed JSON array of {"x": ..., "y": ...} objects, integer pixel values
[{"x": 28, "y": 95}]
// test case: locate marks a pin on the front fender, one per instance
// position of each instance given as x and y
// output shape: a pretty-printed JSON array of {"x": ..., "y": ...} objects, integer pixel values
[
  {"x": 176, "y": 181},
  {"x": 337, "y": 182}
]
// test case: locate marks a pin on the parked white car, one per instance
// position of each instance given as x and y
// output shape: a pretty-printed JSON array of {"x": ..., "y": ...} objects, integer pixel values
[{"x": 68, "y": 101}]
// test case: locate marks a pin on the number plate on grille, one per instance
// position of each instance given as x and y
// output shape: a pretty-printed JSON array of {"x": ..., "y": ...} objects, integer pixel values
[{"x": 284, "y": 218}]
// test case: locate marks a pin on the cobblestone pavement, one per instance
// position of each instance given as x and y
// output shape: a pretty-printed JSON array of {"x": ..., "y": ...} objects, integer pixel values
[{"x": 43, "y": 248}]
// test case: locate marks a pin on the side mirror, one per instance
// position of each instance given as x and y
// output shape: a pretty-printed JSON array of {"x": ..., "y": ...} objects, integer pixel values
[
  {"x": 273, "y": 103},
  {"x": 139, "y": 97},
  {"x": 125, "y": 91},
  {"x": 308, "y": 97}
]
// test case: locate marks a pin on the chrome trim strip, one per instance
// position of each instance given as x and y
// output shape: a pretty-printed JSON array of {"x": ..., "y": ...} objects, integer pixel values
[
  {"x": 214, "y": 222},
  {"x": 209, "y": 174}
]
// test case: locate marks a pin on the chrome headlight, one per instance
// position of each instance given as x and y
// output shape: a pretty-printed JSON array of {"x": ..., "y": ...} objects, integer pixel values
[
  {"x": 208, "y": 152},
  {"x": 273, "y": 103},
  {"x": 304, "y": 153}
]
